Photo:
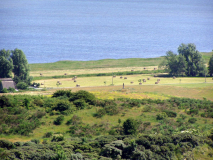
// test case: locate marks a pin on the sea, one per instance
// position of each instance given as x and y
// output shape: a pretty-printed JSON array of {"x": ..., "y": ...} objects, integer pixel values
[{"x": 83, "y": 30}]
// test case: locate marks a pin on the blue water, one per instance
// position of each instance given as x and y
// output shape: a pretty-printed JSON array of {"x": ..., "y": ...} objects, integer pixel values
[{"x": 53, "y": 30}]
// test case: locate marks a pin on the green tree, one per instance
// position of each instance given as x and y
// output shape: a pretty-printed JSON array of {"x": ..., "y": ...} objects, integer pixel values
[
  {"x": 210, "y": 68},
  {"x": 130, "y": 126},
  {"x": 6, "y": 64},
  {"x": 20, "y": 67},
  {"x": 195, "y": 63},
  {"x": 188, "y": 61}
]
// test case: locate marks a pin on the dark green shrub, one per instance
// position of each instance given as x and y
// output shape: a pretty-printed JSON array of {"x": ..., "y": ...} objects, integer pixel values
[
  {"x": 161, "y": 116},
  {"x": 48, "y": 135},
  {"x": 111, "y": 110},
  {"x": 147, "y": 108},
  {"x": 59, "y": 120},
  {"x": 57, "y": 137},
  {"x": 192, "y": 120},
  {"x": 4, "y": 90},
  {"x": 62, "y": 105},
  {"x": 18, "y": 144},
  {"x": 193, "y": 111},
  {"x": 130, "y": 126},
  {"x": 84, "y": 95},
  {"x": 80, "y": 103},
  {"x": 171, "y": 113},
  {"x": 22, "y": 85},
  {"x": 61, "y": 93},
  {"x": 36, "y": 141},
  {"x": 6, "y": 144}
]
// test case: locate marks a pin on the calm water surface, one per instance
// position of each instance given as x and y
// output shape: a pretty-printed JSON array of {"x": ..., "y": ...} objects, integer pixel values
[{"x": 53, "y": 30}]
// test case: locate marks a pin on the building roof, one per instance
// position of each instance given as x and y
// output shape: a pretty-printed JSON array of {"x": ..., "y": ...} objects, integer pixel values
[
  {"x": 7, "y": 82},
  {"x": 6, "y": 79}
]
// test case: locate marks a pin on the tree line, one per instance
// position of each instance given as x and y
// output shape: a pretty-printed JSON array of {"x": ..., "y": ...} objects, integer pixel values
[
  {"x": 188, "y": 62},
  {"x": 13, "y": 63}
]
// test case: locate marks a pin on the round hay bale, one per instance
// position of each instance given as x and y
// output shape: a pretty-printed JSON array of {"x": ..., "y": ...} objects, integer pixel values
[
  {"x": 75, "y": 81},
  {"x": 144, "y": 80},
  {"x": 140, "y": 83},
  {"x": 155, "y": 68},
  {"x": 125, "y": 77},
  {"x": 132, "y": 70},
  {"x": 144, "y": 68},
  {"x": 131, "y": 82},
  {"x": 121, "y": 77},
  {"x": 114, "y": 76},
  {"x": 65, "y": 74},
  {"x": 148, "y": 78},
  {"x": 156, "y": 82},
  {"x": 77, "y": 85},
  {"x": 58, "y": 81},
  {"x": 41, "y": 74},
  {"x": 42, "y": 84}
]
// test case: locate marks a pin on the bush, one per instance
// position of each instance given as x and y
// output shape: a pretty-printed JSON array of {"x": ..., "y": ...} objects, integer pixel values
[
  {"x": 22, "y": 85},
  {"x": 62, "y": 105},
  {"x": 161, "y": 116},
  {"x": 48, "y": 134},
  {"x": 36, "y": 141},
  {"x": 171, "y": 113},
  {"x": 192, "y": 120},
  {"x": 57, "y": 138},
  {"x": 4, "y": 90},
  {"x": 130, "y": 126},
  {"x": 60, "y": 93},
  {"x": 80, "y": 103},
  {"x": 84, "y": 95},
  {"x": 59, "y": 120}
]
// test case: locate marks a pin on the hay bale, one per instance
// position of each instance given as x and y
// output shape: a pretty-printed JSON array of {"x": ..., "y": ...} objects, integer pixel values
[
  {"x": 121, "y": 77},
  {"x": 114, "y": 76},
  {"x": 155, "y": 68},
  {"x": 65, "y": 74},
  {"x": 132, "y": 70},
  {"x": 131, "y": 82},
  {"x": 58, "y": 81},
  {"x": 75, "y": 81},
  {"x": 155, "y": 75},
  {"x": 125, "y": 77},
  {"x": 77, "y": 85},
  {"x": 148, "y": 78},
  {"x": 140, "y": 83},
  {"x": 41, "y": 74},
  {"x": 144, "y": 80},
  {"x": 156, "y": 82},
  {"x": 42, "y": 84},
  {"x": 144, "y": 68}
]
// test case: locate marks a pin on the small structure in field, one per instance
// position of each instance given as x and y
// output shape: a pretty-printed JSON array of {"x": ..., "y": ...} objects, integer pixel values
[
  {"x": 42, "y": 83},
  {"x": 121, "y": 77},
  {"x": 7, "y": 83},
  {"x": 140, "y": 83},
  {"x": 75, "y": 81},
  {"x": 132, "y": 70},
  {"x": 41, "y": 74},
  {"x": 65, "y": 74},
  {"x": 144, "y": 80},
  {"x": 131, "y": 82},
  {"x": 148, "y": 78},
  {"x": 157, "y": 82},
  {"x": 77, "y": 85},
  {"x": 114, "y": 76},
  {"x": 155, "y": 68},
  {"x": 144, "y": 68},
  {"x": 125, "y": 77},
  {"x": 174, "y": 77}
]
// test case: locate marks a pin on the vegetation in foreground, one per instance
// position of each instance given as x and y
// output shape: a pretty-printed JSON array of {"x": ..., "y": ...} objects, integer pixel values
[{"x": 79, "y": 126}]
